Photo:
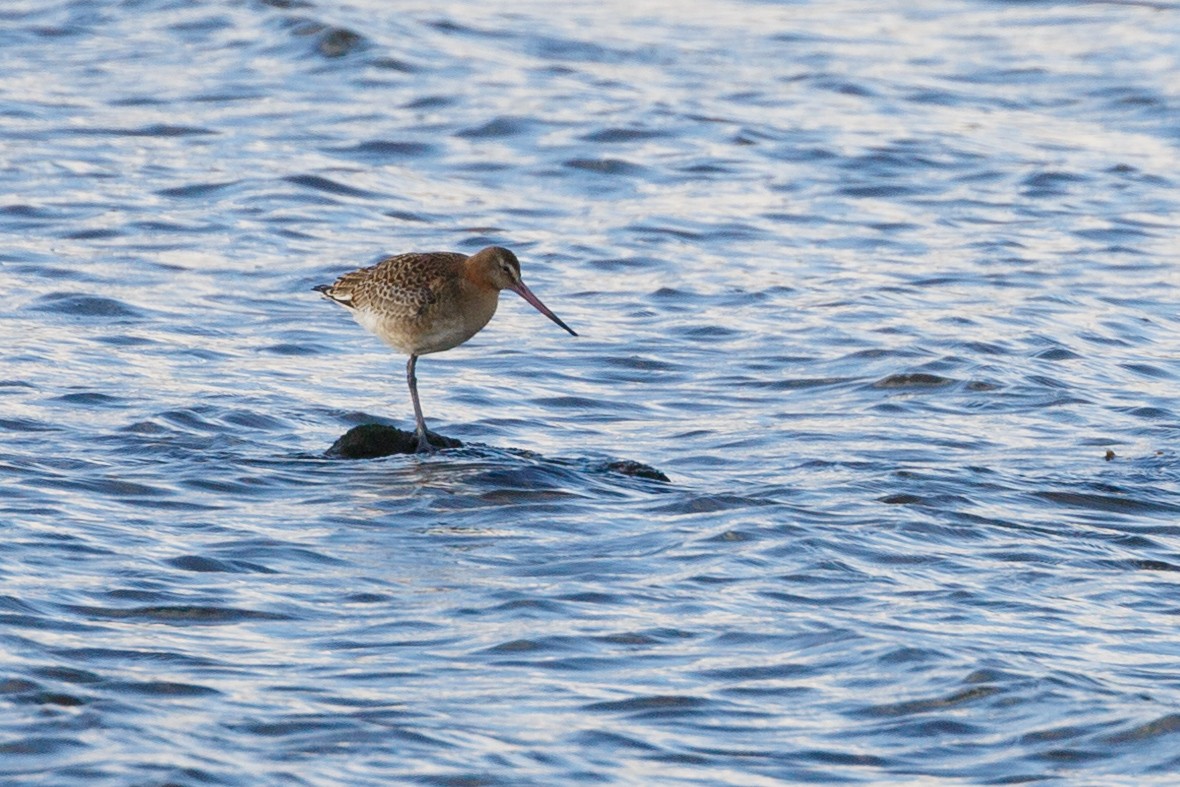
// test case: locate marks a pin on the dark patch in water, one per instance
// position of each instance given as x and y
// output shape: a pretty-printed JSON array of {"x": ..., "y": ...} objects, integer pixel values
[
  {"x": 207, "y": 565},
  {"x": 178, "y": 615},
  {"x": 330, "y": 42},
  {"x": 196, "y": 190},
  {"x": 497, "y": 128},
  {"x": 622, "y": 135},
  {"x": 82, "y": 305},
  {"x": 154, "y": 130},
  {"x": 1106, "y": 502},
  {"x": 605, "y": 166},
  {"x": 91, "y": 399},
  {"x": 913, "y": 380},
  {"x": 387, "y": 149},
  {"x": 338, "y": 42},
  {"x": 634, "y": 469},
  {"x": 321, "y": 183},
  {"x": 652, "y": 706},
  {"x": 1057, "y": 354},
  {"x": 371, "y": 441},
  {"x": 902, "y": 500}
]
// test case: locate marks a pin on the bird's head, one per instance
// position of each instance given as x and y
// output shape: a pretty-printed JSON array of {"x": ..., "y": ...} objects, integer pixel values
[{"x": 497, "y": 268}]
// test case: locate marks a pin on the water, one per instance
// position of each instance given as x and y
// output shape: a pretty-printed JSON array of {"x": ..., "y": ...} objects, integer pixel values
[{"x": 887, "y": 291}]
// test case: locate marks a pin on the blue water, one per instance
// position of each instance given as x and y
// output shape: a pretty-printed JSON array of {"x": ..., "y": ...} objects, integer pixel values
[{"x": 887, "y": 291}]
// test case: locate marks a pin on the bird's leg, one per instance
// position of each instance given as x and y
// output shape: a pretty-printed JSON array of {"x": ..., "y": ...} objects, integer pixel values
[{"x": 424, "y": 446}]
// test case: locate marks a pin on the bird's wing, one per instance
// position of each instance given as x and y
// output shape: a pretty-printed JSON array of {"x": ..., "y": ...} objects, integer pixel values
[{"x": 405, "y": 284}]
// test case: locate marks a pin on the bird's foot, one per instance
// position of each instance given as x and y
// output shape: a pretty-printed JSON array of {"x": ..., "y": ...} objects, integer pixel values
[{"x": 424, "y": 446}]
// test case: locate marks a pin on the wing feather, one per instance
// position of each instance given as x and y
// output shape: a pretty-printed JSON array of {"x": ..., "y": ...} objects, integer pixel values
[{"x": 404, "y": 286}]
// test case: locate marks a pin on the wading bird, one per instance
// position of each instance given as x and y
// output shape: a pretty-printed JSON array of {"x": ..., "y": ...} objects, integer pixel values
[{"x": 422, "y": 303}]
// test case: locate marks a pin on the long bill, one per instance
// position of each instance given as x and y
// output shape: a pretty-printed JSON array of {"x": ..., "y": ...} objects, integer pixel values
[{"x": 524, "y": 292}]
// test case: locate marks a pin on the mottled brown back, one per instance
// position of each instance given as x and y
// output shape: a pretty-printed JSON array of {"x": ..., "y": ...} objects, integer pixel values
[{"x": 404, "y": 286}]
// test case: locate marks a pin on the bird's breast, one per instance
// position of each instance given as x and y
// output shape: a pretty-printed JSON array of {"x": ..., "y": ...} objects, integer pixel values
[{"x": 446, "y": 324}]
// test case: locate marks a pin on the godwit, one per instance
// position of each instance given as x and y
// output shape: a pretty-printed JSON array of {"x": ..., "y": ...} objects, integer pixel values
[{"x": 430, "y": 302}]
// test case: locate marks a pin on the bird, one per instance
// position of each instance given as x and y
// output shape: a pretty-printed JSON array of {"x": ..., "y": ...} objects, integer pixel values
[{"x": 427, "y": 302}]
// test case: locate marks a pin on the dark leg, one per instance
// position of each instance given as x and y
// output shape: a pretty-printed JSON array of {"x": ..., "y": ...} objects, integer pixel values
[{"x": 424, "y": 445}]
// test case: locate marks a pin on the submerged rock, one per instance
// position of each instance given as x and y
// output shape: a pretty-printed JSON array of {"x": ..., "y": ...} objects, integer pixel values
[
  {"x": 369, "y": 441},
  {"x": 635, "y": 469},
  {"x": 373, "y": 441}
]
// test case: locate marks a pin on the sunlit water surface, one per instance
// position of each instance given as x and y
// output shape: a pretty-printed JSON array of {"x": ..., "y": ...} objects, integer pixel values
[{"x": 888, "y": 291}]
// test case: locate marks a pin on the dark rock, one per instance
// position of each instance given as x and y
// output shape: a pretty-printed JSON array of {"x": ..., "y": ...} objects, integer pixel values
[
  {"x": 635, "y": 469},
  {"x": 369, "y": 441}
]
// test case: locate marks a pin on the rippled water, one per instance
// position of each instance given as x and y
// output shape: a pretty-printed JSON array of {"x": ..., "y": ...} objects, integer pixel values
[{"x": 887, "y": 291}]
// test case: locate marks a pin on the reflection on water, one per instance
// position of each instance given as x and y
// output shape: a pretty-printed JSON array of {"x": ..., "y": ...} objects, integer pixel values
[{"x": 887, "y": 296}]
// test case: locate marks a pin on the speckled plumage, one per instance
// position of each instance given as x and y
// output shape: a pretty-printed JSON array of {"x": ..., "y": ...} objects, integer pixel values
[
  {"x": 422, "y": 303},
  {"x": 418, "y": 303}
]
